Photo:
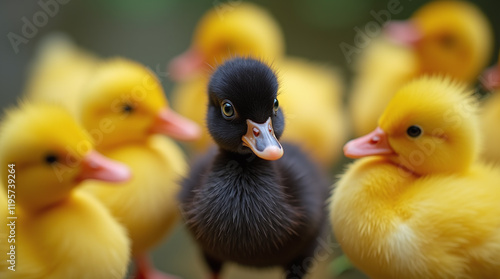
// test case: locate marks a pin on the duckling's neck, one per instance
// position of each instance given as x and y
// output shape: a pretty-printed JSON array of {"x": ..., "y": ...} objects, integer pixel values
[
  {"x": 243, "y": 159},
  {"x": 36, "y": 206}
]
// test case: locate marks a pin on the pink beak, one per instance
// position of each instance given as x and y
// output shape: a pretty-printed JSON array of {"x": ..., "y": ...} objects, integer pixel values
[
  {"x": 171, "y": 124},
  {"x": 260, "y": 138},
  {"x": 375, "y": 143},
  {"x": 186, "y": 64},
  {"x": 96, "y": 166},
  {"x": 404, "y": 33},
  {"x": 491, "y": 78}
]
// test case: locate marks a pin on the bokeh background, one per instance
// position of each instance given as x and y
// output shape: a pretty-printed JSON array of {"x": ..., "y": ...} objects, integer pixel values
[{"x": 154, "y": 31}]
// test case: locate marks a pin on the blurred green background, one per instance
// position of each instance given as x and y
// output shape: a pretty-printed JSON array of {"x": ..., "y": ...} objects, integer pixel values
[{"x": 155, "y": 31}]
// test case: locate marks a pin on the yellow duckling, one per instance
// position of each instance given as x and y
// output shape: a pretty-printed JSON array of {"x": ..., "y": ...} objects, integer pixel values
[
  {"x": 59, "y": 231},
  {"x": 490, "y": 115},
  {"x": 124, "y": 108},
  {"x": 59, "y": 72},
  {"x": 243, "y": 29},
  {"x": 421, "y": 205},
  {"x": 443, "y": 37}
]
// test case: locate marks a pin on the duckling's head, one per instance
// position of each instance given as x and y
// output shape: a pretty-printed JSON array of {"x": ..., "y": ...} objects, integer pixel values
[
  {"x": 124, "y": 102},
  {"x": 243, "y": 112},
  {"x": 230, "y": 30},
  {"x": 449, "y": 37},
  {"x": 51, "y": 155},
  {"x": 430, "y": 126}
]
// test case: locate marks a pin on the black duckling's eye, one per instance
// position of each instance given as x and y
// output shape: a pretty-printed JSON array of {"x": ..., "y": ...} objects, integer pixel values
[
  {"x": 414, "y": 131},
  {"x": 227, "y": 110},
  {"x": 127, "y": 108},
  {"x": 276, "y": 105},
  {"x": 50, "y": 159}
]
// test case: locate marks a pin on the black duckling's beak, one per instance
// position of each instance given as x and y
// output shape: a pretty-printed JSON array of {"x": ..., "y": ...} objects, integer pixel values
[{"x": 261, "y": 139}]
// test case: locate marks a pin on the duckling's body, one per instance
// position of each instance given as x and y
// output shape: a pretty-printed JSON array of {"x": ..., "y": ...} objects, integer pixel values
[
  {"x": 449, "y": 38},
  {"x": 156, "y": 164},
  {"x": 52, "y": 244},
  {"x": 421, "y": 206},
  {"x": 60, "y": 232},
  {"x": 253, "y": 210},
  {"x": 248, "y": 30},
  {"x": 411, "y": 227},
  {"x": 125, "y": 107}
]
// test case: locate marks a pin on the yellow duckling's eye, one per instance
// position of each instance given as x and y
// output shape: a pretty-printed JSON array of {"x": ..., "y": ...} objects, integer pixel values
[
  {"x": 447, "y": 41},
  {"x": 51, "y": 158},
  {"x": 276, "y": 105},
  {"x": 227, "y": 109},
  {"x": 414, "y": 131},
  {"x": 127, "y": 108}
]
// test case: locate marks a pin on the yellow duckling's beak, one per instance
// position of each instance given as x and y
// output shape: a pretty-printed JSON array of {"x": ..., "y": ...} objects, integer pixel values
[
  {"x": 96, "y": 166},
  {"x": 172, "y": 124},
  {"x": 375, "y": 143},
  {"x": 491, "y": 78},
  {"x": 404, "y": 33},
  {"x": 186, "y": 64},
  {"x": 261, "y": 140}
]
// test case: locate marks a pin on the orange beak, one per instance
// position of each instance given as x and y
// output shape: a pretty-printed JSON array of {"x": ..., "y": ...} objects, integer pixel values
[
  {"x": 186, "y": 64},
  {"x": 491, "y": 78},
  {"x": 96, "y": 166},
  {"x": 375, "y": 143},
  {"x": 172, "y": 124},
  {"x": 404, "y": 33},
  {"x": 261, "y": 139}
]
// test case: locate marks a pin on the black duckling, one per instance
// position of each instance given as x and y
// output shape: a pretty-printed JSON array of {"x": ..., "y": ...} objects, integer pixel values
[{"x": 253, "y": 202}]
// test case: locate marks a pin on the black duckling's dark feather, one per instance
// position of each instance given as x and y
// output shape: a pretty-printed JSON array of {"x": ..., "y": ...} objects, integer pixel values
[{"x": 252, "y": 211}]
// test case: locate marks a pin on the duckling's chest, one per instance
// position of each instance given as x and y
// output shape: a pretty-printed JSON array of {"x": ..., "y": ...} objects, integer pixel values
[
  {"x": 59, "y": 237},
  {"x": 369, "y": 216},
  {"x": 244, "y": 215}
]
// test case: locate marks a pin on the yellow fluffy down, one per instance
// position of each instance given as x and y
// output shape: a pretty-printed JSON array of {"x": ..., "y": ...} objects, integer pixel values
[
  {"x": 60, "y": 232},
  {"x": 438, "y": 217}
]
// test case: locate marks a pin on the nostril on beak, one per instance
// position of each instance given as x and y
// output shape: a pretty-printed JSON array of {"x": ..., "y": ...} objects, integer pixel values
[
  {"x": 375, "y": 140},
  {"x": 256, "y": 132}
]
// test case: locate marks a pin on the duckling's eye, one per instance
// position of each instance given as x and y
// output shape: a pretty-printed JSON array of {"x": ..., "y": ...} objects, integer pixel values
[
  {"x": 227, "y": 110},
  {"x": 127, "y": 108},
  {"x": 414, "y": 131},
  {"x": 448, "y": 41},
  {"x": 276, "y": 105},
  {"x": 50, "y": 159}
]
